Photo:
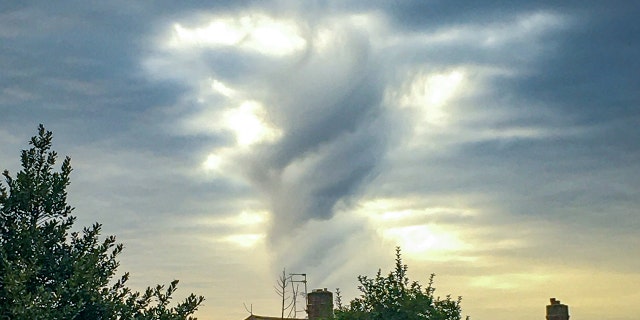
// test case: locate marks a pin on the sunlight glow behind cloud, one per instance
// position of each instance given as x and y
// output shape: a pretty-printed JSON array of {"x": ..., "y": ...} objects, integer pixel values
[
  {"x": 411, "y": 226},
  {"x": 418, "y": 240},
  {"x": 246, "y": 218},
  {"x": 256, "y": 32},
  {"x": 213, "y": 162},
  {"x": 248, "y": 122},
  {"x": 221, "y": 88},
  {"x": 245, "y": 240},
  {"x": 510, "y": 281},
  {"x": 430, "y": 93},
  {"x": 245, "y": 229},
  {"x": 427, "y": 98}
]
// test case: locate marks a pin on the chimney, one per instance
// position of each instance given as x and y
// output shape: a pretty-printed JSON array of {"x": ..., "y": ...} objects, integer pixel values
[
  {"x": 557, "y": 310},
  {"x": 320, "y": 304}
]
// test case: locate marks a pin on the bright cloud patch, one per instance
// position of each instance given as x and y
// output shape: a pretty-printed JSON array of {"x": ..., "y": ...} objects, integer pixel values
[
  {"x": 248, "y": 122},
  {"x": 509, "y": 281},
  {"x": 419, "y": 239},
  {"x": 410, "y": 226},
  {"x": 429, "y": 93},
  {"x": 222, "y": 88},
  {"x": 213, "y": 162},
  {"x": 245, "y": 229},
  {"x": 251, "y": 218},
  {"x": 254, "y": 32},
  {"x": 245, "y": 240}
]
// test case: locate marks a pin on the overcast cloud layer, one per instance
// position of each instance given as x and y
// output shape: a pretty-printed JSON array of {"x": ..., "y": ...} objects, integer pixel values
[{"x": 496, "y": 143}]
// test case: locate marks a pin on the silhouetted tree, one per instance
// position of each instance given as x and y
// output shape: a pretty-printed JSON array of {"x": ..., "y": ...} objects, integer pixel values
[
  {"x": 394, "y": 297},
  {"x": 288, "y": 300},
  {"x": 48, "y": 272}
]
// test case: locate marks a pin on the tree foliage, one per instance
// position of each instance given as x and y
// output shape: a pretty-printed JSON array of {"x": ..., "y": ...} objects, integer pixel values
[
  {"x": 49, "y": 272},
  {"x": 395, "y": 297}
]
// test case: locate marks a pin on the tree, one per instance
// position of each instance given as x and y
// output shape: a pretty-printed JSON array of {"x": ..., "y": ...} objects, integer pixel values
[
  {"x": 281, "y": 289},
  {"x": 287, "y": 289},
  {"x": 49, "y": 272},
  {"x": 394, "y": 297}
]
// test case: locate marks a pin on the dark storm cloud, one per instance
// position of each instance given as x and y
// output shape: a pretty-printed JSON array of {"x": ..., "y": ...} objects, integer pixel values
[{"x": 333, "y": 133}]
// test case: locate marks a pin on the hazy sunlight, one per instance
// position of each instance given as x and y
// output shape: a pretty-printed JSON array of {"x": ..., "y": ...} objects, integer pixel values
[
  {"x": 249, "y": 124},
  {"x": 254, "y": 32}
]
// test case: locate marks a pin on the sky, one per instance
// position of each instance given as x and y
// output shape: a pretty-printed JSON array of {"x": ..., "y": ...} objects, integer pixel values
[{"x": 495, "y": 142}]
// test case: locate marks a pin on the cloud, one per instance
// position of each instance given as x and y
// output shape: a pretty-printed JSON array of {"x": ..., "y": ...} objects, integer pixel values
[
  {"x": 490, "y": 140},
  {"x": 314, "y": 125},
  {"x": 343, "y": 114}
]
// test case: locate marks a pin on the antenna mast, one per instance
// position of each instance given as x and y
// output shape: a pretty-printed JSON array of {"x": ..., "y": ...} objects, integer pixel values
[{"x": 298, "y": 278}]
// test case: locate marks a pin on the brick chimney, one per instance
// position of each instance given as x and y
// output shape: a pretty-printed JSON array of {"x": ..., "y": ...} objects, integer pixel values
[
  {"x": 320, "y": 304},
  {"x": 557, "y": 310}
]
